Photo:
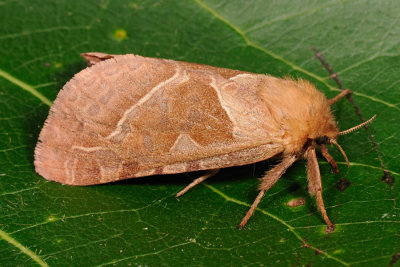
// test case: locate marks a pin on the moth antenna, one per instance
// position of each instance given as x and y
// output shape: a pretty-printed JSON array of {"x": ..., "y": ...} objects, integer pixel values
[
  {"x": 333, "y": 141},
  {"x": 357, "y": 127}
]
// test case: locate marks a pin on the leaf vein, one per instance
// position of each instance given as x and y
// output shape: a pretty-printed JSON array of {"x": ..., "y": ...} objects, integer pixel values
[
  {"x": 27, "y": 87},
  {"x": 290, "y": 228},
  {"x": 280, "y": 58},
  {"x": 6, "y": 237},
  {"x": 293, "y": 15}
]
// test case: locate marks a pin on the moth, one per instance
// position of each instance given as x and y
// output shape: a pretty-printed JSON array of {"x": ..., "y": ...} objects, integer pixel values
[{"x": 129, "y": 116}]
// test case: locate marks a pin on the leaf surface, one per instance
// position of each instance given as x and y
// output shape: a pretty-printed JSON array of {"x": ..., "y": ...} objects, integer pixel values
[{"x": 139, "y": 222}]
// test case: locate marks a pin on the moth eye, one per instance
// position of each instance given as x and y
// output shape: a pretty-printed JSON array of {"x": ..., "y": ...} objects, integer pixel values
[{"x": 322, "y": 140}]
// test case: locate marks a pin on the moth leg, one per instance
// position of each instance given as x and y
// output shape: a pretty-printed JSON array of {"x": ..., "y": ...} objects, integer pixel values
[
  {"x": 196, "y": 181},
  {"x": 315, "y": 185},
  {"x": 339, "y": 96},
  {"x": 329, "y": 158},
  {"x": 269, "y": 179}
]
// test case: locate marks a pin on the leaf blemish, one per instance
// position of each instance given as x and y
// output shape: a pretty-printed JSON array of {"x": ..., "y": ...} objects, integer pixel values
[
  {"x": 328, "y": 230},
  {"x": 318, "y": 251},
  {"x": 51, "y": 218},
  {"x": 338, "y": 251},
  {"x": 296, "y": 202},
  {"x": 394, "y": 259},
  {"x": 120, "y": 34},
  {"x": 387, "y": 178},
  {"x": 342, "y": 184}
]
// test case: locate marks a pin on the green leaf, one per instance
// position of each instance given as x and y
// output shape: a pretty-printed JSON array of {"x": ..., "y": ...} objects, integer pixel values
[{"x": 139, "y": 222}]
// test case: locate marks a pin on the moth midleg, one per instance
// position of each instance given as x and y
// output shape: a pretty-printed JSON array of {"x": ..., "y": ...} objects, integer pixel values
[
  {"x": 269, "y": 179},
  {"x": 329, "y": 158},
  {"x": 196, "y": 181},
  {"x": 339, "y": 96},
  {"x": 315, "y": 184}
]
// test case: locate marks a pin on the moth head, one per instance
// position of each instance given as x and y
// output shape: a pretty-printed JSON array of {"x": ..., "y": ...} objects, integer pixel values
[{"x": 331, "y": 138}]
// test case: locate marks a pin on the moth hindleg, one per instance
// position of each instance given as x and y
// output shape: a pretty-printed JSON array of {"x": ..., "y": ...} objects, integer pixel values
[{"x": 196, "y": 181}]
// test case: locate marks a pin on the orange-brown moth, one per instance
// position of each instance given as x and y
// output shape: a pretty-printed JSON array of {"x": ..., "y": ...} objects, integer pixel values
[{"x": 130, "y": 116}]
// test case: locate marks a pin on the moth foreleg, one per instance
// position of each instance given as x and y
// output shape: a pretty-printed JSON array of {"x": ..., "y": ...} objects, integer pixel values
[
  {"x": 269, "y": 179},
  {"x": 339, "y": 96},
  {"x": 315, "y": 185},
  {"x": 196, "y": 181}
]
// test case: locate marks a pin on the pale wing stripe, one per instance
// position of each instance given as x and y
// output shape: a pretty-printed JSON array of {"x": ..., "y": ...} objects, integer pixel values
[
  {"x": 180, "y": 138},
  {"x": 224, "y": 104},
  {"x": 243, "y": 75},
  {"x": 89, "y": 149},
  {"x": 214, "y": 85},
  {"x": 144, "y": 99},
  {"x": 229, "y": 109}
]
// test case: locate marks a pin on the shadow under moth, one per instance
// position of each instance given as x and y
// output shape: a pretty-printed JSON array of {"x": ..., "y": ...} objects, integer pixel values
[{"x": 129, "y": 116}]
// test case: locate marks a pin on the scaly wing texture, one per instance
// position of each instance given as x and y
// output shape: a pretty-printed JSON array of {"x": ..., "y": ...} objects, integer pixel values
[{"x": 131, "y": 116}]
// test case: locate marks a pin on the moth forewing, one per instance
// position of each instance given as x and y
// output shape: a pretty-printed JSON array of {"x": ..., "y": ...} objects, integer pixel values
[{"x": 131, "y": 116}]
